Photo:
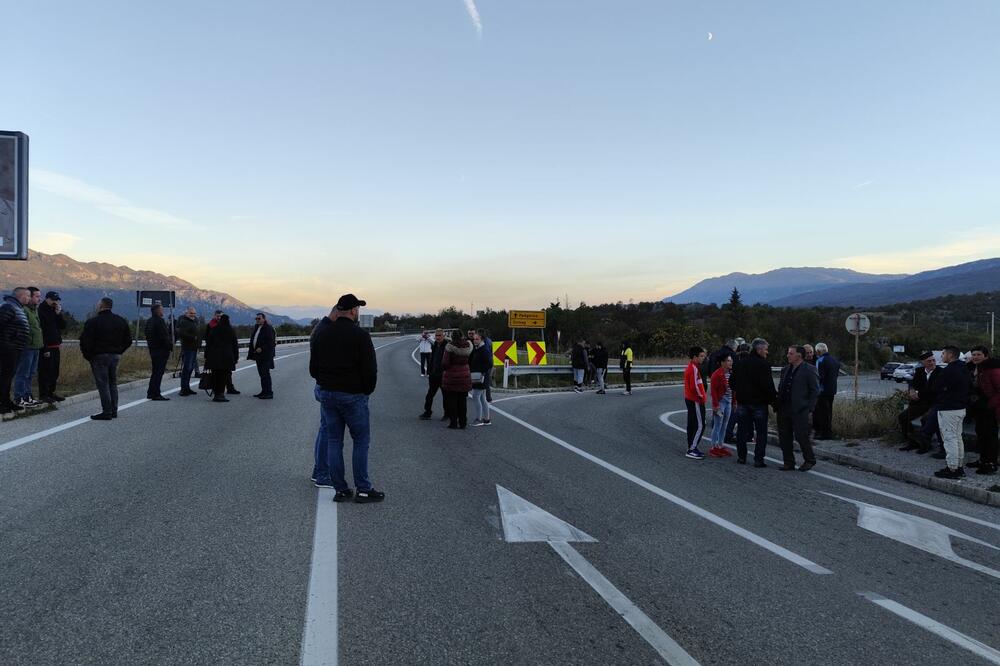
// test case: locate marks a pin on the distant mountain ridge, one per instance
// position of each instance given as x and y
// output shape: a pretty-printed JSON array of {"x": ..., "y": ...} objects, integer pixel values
[
  {"x": 968, "y": 278},
  {"x": 82, "y": 284},
  {"x": 774, "y": 285}
]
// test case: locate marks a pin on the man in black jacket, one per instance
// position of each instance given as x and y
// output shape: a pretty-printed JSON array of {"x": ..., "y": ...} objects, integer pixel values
[
  {"x": 798, "y": 392},
  {"x": 950, "y": 401},
  {"x": 160, "y": 344},
  {"x": 187, "y": 333},
  {"x": 262, "y": 343},
  {"x": 753, "y": 390},
  {"x": 14, "y": 334},
  {"x": 342, "y": 361},
  {"x": 434, "y": 372},
  {"x": 53, "y": 324},
  {"x": 921, "y": 399},
  {"x": 578, "y": 359},
  {"x": 104, "y": 339},
  {"x": 828, "y": 368}
]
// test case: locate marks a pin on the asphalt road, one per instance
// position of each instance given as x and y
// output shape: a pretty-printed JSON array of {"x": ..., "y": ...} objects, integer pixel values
[{"x": 183, "y": 533}]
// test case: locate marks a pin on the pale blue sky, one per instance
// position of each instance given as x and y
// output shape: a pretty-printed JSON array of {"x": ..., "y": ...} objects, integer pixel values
[{"x": 285, "y": 152}]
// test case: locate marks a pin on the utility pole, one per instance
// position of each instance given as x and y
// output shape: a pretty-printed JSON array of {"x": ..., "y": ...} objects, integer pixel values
[{"x": 993, "y": 329}]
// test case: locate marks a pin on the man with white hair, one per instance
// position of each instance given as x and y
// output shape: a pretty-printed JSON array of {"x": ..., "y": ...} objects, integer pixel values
[{"x": 828, "y": 368}]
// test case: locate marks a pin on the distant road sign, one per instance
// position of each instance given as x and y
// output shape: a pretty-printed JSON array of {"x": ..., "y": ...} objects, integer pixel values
[
  {"x": 899, "y": 349},
  {"x": 526, "y": 319},
  {"x": 504, "y": 351},
  {"x": 536, "y": 354},
  {"x": 858, "y": 324},
  {"x": 146, "y": 299},
  {"x": 13, "y": 195}
]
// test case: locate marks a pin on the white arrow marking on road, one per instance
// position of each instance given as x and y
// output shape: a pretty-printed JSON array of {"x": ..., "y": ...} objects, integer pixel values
[
  {"x": 935, "y": 627},
  {"x": 921, "y": 533},
  {"x": 525, "y": 522}
]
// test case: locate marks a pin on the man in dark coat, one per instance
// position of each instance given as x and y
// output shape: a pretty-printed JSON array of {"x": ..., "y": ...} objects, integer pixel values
[
  {"x": 262, "y": 343},
  {"x": 187, "y": 333},
  {"x": 951, "y": 401},
  {"x": 434, "y": 373},
  {"x": 753, "y": 390},
  {"x": 212, "y": 324},
  {"x": 921, "y": 398},
  {"x": 53, "y": 324},
  {"x": 14, "y": 335},
  {"x": 828, "y": 368},
  {"x": 578, "y": 359},
  {"x": 104, "y": 339},
  {"x": 798, "y": 392},
  {"x": 160, "y": 344},
  {"x": 342, "y": 361}
]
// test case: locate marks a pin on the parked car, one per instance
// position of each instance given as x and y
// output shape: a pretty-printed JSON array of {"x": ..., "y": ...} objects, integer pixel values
[
  {"x": 904, "y": 373},
  {"x": 888, "y": 369}
]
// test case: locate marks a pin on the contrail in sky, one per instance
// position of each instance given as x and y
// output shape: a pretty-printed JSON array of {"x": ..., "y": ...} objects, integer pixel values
[{"x": 470, "y": 6}]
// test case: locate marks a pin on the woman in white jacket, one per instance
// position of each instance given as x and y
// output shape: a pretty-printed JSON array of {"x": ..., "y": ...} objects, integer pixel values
[{"x": 425, "y": 352}]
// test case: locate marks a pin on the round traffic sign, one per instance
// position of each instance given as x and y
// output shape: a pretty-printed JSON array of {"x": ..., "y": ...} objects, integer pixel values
[{"x": 858, "y": 324}]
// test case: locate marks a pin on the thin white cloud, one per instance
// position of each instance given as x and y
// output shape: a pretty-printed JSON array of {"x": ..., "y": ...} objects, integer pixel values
[
  {"x": 54, "y": 242},
  {"x": 477, "y": 21},
  {"x": 982, "y": 244},
  {"x": 863, "y": 185},
  {"x": 74, "y": 189}
]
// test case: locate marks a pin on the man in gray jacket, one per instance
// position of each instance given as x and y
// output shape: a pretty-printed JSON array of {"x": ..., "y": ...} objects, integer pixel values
[{"x": 797, "y": 395}]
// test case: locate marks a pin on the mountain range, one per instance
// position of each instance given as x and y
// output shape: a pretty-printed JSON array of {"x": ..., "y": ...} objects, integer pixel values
[
  {"x": 81, "y": 285},
  {"x": 806, "y": 287}
]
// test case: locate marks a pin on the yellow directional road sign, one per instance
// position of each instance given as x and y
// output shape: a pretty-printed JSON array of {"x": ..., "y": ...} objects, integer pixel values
[
  {"x": 526, "y": 319},
  {"x": 504, "y": 351},
  {"x": 536, "y": 353}
]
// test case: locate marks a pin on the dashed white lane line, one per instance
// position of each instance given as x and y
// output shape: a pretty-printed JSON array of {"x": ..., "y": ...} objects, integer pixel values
[
  {"x": 35, "y": 436},
  {"x": 756, "y": 539},
  {"x": 935, "y": 627},
  {"x": 665, "y": 419}
]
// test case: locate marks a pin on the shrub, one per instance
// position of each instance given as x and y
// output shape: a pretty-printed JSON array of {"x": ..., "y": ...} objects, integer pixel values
[{"x": 867, "y": 417}]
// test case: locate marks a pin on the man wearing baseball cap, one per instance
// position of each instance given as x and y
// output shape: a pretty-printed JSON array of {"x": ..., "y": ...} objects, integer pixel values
[
  {"x": 53, "y": 324},
  {"x": 342, "y": 361}
]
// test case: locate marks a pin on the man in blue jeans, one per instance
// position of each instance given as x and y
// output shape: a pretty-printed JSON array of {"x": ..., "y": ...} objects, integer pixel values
[
  {"x": 753, "y": 390},
  {"x": 342, "y": 361}
]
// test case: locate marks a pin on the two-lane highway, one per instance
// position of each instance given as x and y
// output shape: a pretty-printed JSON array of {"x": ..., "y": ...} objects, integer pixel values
[{"x": 188, "y": 532}]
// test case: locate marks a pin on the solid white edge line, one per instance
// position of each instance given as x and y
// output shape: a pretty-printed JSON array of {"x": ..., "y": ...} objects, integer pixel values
[
  {"x": 935, "y": 627},
  {"x": 660, "y": 641},
  {"x": 320, "y": 634},
  {"x": 665, "y": 419},
  {"x": 756, "y": 539}
]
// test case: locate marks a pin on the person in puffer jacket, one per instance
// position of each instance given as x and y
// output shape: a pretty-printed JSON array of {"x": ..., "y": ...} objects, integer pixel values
[
  {"x": 456, "y": 380},
  {"x": 15, "y": 334}
]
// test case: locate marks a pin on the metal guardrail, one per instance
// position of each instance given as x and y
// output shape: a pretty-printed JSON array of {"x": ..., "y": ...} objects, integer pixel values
[
  {"x": 243, "y": 342},
  {"x": 641, "y": 371}
]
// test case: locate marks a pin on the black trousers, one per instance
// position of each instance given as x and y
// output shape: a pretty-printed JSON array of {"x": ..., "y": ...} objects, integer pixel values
[
  {"x": 433, "y": 385},
  {"x": 264, "y": 370},
  {"x": 425, "y": 361},
  {"x": 8, "y": 365},
  {"x": 912, "y": 412},
  {"x": 794, "y": 427},
  {"x": 455, "y": 406},
  {"x": 220, "y": 380},
  {"x": 159, "y": 358},
  {"x": 823, "y": 416},
  {"x": 986, "y": 433},
  {"x": 696, "y": 422},
  {"x": 48, "y": 371},
  {"x": 627, "y": 376}
]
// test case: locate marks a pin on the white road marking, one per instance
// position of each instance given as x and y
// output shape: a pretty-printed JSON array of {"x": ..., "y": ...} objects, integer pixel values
[
  {"x": 526, "y": 522},
  {"x": 935, "y": 627},
  {"x": 920, "y": 533},
  {"x": 756, "y": 539},
  {"x": 319, "y": 639},
  {"x": 35, "y": 436},
  {"x": 665, "y": 418}
]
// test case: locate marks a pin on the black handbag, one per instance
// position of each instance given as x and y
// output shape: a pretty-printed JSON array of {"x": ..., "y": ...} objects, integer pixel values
[{"x": 205, "y": 383}]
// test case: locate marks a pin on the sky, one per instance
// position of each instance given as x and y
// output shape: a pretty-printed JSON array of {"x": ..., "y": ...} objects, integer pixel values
[{"x": 505, "y": 153}]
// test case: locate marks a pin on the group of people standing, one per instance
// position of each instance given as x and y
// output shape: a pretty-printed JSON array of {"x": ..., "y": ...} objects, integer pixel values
[
  {"x": 590, "y": 364},
  {"x": 941, "y": 397},
  {"x": 458, "y": 367},
  {"x": 743, "y": 393},
  {"x": 30, "y": 341}
]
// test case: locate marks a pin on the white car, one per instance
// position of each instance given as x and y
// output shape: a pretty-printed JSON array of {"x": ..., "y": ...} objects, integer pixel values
[{"x": 904, "y": 373}]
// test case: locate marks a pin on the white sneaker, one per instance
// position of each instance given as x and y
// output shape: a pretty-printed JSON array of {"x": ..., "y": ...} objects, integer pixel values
[{"x": 626, "y": 392}]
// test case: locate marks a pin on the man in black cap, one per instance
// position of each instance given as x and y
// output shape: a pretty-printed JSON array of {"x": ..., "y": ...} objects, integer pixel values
[
  {"x": 342, "y": 361},
  {"x": 160, "y": 343},
  {"x": 53, "y": 324}
]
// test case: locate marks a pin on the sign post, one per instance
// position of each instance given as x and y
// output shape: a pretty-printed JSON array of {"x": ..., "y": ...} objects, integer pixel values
[
  {"x": 526, "y": 319},
  {"x": 857, "y": 325}
]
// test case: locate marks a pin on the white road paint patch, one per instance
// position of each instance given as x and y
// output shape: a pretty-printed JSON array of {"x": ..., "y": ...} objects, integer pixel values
[
  {"x": 665, "y": 418},
  {"x": 957, "y": 638},
  {"x": 920, "y": 533},
  {"x": 756, "y": 539},
  {"x": 526, "y": 522},
  {"x": 319, "y": 640}
]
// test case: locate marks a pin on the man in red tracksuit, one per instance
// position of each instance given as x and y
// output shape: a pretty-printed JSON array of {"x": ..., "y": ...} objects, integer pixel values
[{"x": 694, "y": 398}]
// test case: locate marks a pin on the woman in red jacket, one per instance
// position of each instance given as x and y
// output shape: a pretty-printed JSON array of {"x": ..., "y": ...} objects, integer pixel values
[
  {"x": 723, "y": 406},
  {"x": 456, "y": 381}
]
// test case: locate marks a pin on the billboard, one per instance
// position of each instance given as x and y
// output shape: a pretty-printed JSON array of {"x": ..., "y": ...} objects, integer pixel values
[{"x": 13, "y": 195}]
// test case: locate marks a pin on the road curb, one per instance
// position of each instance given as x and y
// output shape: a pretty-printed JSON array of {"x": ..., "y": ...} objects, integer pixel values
[{"x": 948, "y": 486}]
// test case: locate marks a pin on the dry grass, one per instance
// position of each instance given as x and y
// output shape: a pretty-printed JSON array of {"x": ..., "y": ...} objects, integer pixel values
[
  {"x": 866, "y": 418},
  {"x": 75, "y": 376}
]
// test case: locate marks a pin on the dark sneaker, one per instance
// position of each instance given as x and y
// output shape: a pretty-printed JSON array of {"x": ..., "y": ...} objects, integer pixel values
[
  {"x": 949, "y": 473},
  {"x": 787, "y": 468},
  {"x": 940, "y": 455},
  {"x": 975, "y": 464},
  {"x": 694, "y": 454},
  {"x": 187, "y": 392},
  {"x": 266, "y": 396},
  {"x": 444, "y": 418},
  {"x": 987, "y": 469},
  {"x": 57, "y": 398},
  {"x": 426, "y": 416},
  {"x": 368, "y": 496},
  {"x": 806, "y": 466},
  {"x": 159, "y": 398},
  {"x": 759, "y": 463},
  {"x": 101, "y": 417},
  {"x": 232, "y": 391},
  {"x": 343, "y": 495}
]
